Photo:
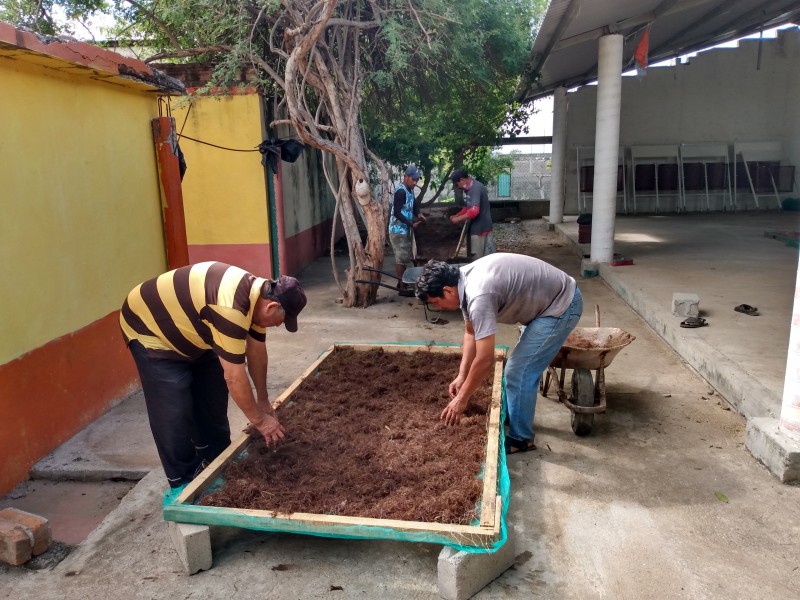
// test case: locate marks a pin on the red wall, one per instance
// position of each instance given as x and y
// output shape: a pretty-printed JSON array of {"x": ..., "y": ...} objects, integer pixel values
[
  {"x": 305, "y": 247},
  {"x": 253, "y": 258},
  {"x": 301, "y": 250},
  {"x": 51, "y": 393}
]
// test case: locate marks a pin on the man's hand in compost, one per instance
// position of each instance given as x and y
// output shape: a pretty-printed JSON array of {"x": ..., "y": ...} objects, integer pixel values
[
  {"x": 270, "y": 428},
  {"x": 452, "y": 413}
]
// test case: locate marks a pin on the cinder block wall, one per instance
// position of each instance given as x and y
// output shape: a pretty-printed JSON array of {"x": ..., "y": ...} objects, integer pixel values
[{"x": 718, "y": 96}]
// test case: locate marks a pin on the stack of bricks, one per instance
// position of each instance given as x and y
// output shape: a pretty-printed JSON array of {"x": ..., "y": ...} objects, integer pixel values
[{"x": 22, "y": 536}]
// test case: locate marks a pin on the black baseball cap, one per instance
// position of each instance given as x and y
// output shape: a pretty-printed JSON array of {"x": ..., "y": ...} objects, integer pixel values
[
  {"x": 458, "y": 175},
  {"x": 292, "y": 298}
]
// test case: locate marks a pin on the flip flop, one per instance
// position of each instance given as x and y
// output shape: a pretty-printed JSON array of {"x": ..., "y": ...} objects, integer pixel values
[
  {"x": 513, "y": 446},
  {"x": 692, "y": 322},
  {"x": 747, "y": 310}
]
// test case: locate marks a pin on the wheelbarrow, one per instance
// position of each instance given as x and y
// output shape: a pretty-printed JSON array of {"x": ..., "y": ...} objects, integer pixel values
[
  {"x": 586, "y": 349},
  {"x": 409, "y": 278}
]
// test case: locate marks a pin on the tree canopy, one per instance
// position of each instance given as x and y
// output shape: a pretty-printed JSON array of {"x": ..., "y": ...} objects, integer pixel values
[
  {"x": 376, "y": 83},
  {"x": 51, "y": 17}
]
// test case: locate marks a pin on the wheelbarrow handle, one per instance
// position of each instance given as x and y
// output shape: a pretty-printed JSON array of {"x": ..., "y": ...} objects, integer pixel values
[
  {"x": 386, "y": 285},
  {"x": 382, "y": 272}
]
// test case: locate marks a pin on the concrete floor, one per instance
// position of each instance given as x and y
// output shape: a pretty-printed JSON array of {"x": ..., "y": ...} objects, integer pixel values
[
  {"x": 661, "y": 501},
  {"x": 727, "y": 260}
]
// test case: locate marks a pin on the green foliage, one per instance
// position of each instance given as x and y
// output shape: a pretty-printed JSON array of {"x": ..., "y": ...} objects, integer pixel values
[
  {"x": 431, "y": 103},
  {"x": 485, "y": 165},
  {"x": 437, "y": 76},
  {"x": 45, "y": 16}
]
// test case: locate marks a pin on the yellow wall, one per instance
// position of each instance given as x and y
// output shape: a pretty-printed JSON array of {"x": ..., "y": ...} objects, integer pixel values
[
  {"x": 81, "y": 215},
  {"x": 224, "y": 192}
]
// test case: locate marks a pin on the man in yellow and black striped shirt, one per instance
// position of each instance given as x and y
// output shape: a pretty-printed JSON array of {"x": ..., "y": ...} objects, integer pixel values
[{"x": 195, "y": 333}]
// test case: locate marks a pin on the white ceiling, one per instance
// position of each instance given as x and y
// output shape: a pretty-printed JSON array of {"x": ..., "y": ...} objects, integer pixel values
[{"x": 565, "y": 50}]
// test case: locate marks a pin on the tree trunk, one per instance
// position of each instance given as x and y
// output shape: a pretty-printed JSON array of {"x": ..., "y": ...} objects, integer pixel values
[{"x": 336, "y": 83}]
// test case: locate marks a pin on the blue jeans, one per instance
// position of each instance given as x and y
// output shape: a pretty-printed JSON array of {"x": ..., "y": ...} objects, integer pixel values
[{"x": 538, "y": 344}]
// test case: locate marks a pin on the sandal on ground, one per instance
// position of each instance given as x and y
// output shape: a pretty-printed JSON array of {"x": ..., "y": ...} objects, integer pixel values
[
  {"x": 747, "y": 310},
  {"x": 692, "y": 322},
  {"x": 515, "y": 446}
]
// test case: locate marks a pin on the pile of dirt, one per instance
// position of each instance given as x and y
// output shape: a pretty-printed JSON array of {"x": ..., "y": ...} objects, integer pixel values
[
  {"x": 363, "y": 438},
  {"x": 437, "y": 238}
]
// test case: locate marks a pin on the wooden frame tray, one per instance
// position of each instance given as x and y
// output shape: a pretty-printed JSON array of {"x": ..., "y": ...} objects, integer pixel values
[{"x": 483, "y": 534}]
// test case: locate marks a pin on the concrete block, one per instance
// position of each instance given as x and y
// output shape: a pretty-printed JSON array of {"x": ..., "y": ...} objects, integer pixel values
[
  {"x": 778, "y": 452},
  {"x": 589, "y": 268},
  {"x": 463, "y": 574},
  {"x": 15, "y": 543},
  {"x": 38, "y": 527},
  {"x": 193, "y": 544},
  {"x": 685, "y": 305}
]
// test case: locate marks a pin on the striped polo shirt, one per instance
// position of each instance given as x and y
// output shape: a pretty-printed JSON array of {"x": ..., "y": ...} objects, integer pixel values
[{"x": 188, "y": 311}]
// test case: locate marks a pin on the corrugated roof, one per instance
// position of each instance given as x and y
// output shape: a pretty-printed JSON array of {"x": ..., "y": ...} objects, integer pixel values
[{"x": 565, "y": 50}]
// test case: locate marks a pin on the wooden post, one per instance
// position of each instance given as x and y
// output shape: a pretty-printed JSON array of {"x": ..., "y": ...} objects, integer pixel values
[{"x": 171, "y": 192}]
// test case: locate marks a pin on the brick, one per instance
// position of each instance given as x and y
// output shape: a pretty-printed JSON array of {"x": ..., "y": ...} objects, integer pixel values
[
  {"x": 461, "y": 575},
  {"x": 193, "y": 544},
  {"x": 685, "y": 305},
  {"x": 15, "y": 543},
  {"x": 39, "y": 528}
]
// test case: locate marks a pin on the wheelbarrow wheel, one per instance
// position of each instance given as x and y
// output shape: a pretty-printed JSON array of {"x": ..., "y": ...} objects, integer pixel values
[{"x": 582, "y": 395}]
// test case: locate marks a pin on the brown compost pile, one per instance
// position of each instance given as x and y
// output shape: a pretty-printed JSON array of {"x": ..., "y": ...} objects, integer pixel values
[
  {"x": 437, "y": 238},
  {"x": 363, "y": 438}
]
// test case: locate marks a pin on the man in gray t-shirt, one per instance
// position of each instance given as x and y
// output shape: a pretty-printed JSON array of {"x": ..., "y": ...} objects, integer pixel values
[{"x": 504, "y": 288}]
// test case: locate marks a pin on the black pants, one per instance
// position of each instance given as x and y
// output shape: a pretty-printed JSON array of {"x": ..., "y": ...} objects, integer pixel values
[{"x": 187, "y": 405}]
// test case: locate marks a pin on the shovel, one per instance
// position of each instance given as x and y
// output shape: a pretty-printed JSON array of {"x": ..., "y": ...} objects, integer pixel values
[{"x": 460, "y": 240}]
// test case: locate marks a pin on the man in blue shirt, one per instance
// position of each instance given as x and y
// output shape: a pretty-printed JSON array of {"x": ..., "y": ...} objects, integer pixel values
[{"x": 404, "y": 218}]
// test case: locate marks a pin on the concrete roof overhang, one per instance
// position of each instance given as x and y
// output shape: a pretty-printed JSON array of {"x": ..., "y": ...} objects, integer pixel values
[{"x": 565, "y": 52}]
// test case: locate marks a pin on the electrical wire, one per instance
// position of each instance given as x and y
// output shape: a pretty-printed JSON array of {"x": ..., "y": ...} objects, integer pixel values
[{"x": 217, "y": 146}]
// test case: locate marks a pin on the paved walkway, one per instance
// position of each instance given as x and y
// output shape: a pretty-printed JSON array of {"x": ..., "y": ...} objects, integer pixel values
[
  {"x": 727, "y": 259},
  {"x": 661, "y": 501}
]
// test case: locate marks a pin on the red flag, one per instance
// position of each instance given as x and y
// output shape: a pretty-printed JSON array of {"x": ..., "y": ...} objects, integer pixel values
[{"x": 640, "y": 55}]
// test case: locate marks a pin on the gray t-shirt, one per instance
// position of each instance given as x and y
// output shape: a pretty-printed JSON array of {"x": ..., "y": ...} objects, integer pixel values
[
  {"x": 512, "y": 288},
  {"x": 478, "y": 196}
]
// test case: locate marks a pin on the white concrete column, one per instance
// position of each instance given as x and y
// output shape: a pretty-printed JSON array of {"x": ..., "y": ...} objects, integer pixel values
[
  {"x": 790, "y": 407},
  {"x": 559, "y": 164},
  {"x": 606, "y": 147}
]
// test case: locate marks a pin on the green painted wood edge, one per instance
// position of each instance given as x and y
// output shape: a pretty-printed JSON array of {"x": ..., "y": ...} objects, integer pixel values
[{"x": 231, "y": 517}]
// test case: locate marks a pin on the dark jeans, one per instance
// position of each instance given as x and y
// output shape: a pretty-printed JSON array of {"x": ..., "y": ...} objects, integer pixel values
[{"x": 187, "y": 405}]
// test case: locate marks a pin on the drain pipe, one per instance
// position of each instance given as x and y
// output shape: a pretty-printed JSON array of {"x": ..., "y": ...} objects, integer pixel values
[
  {"x": 283, "y": 267},
  {"x": 558, "y": 166},
  {"x": 606, "y": 153}
]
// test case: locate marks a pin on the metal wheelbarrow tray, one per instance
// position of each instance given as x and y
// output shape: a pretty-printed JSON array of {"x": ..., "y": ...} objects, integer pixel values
[{"x": 586, "y": 349}]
